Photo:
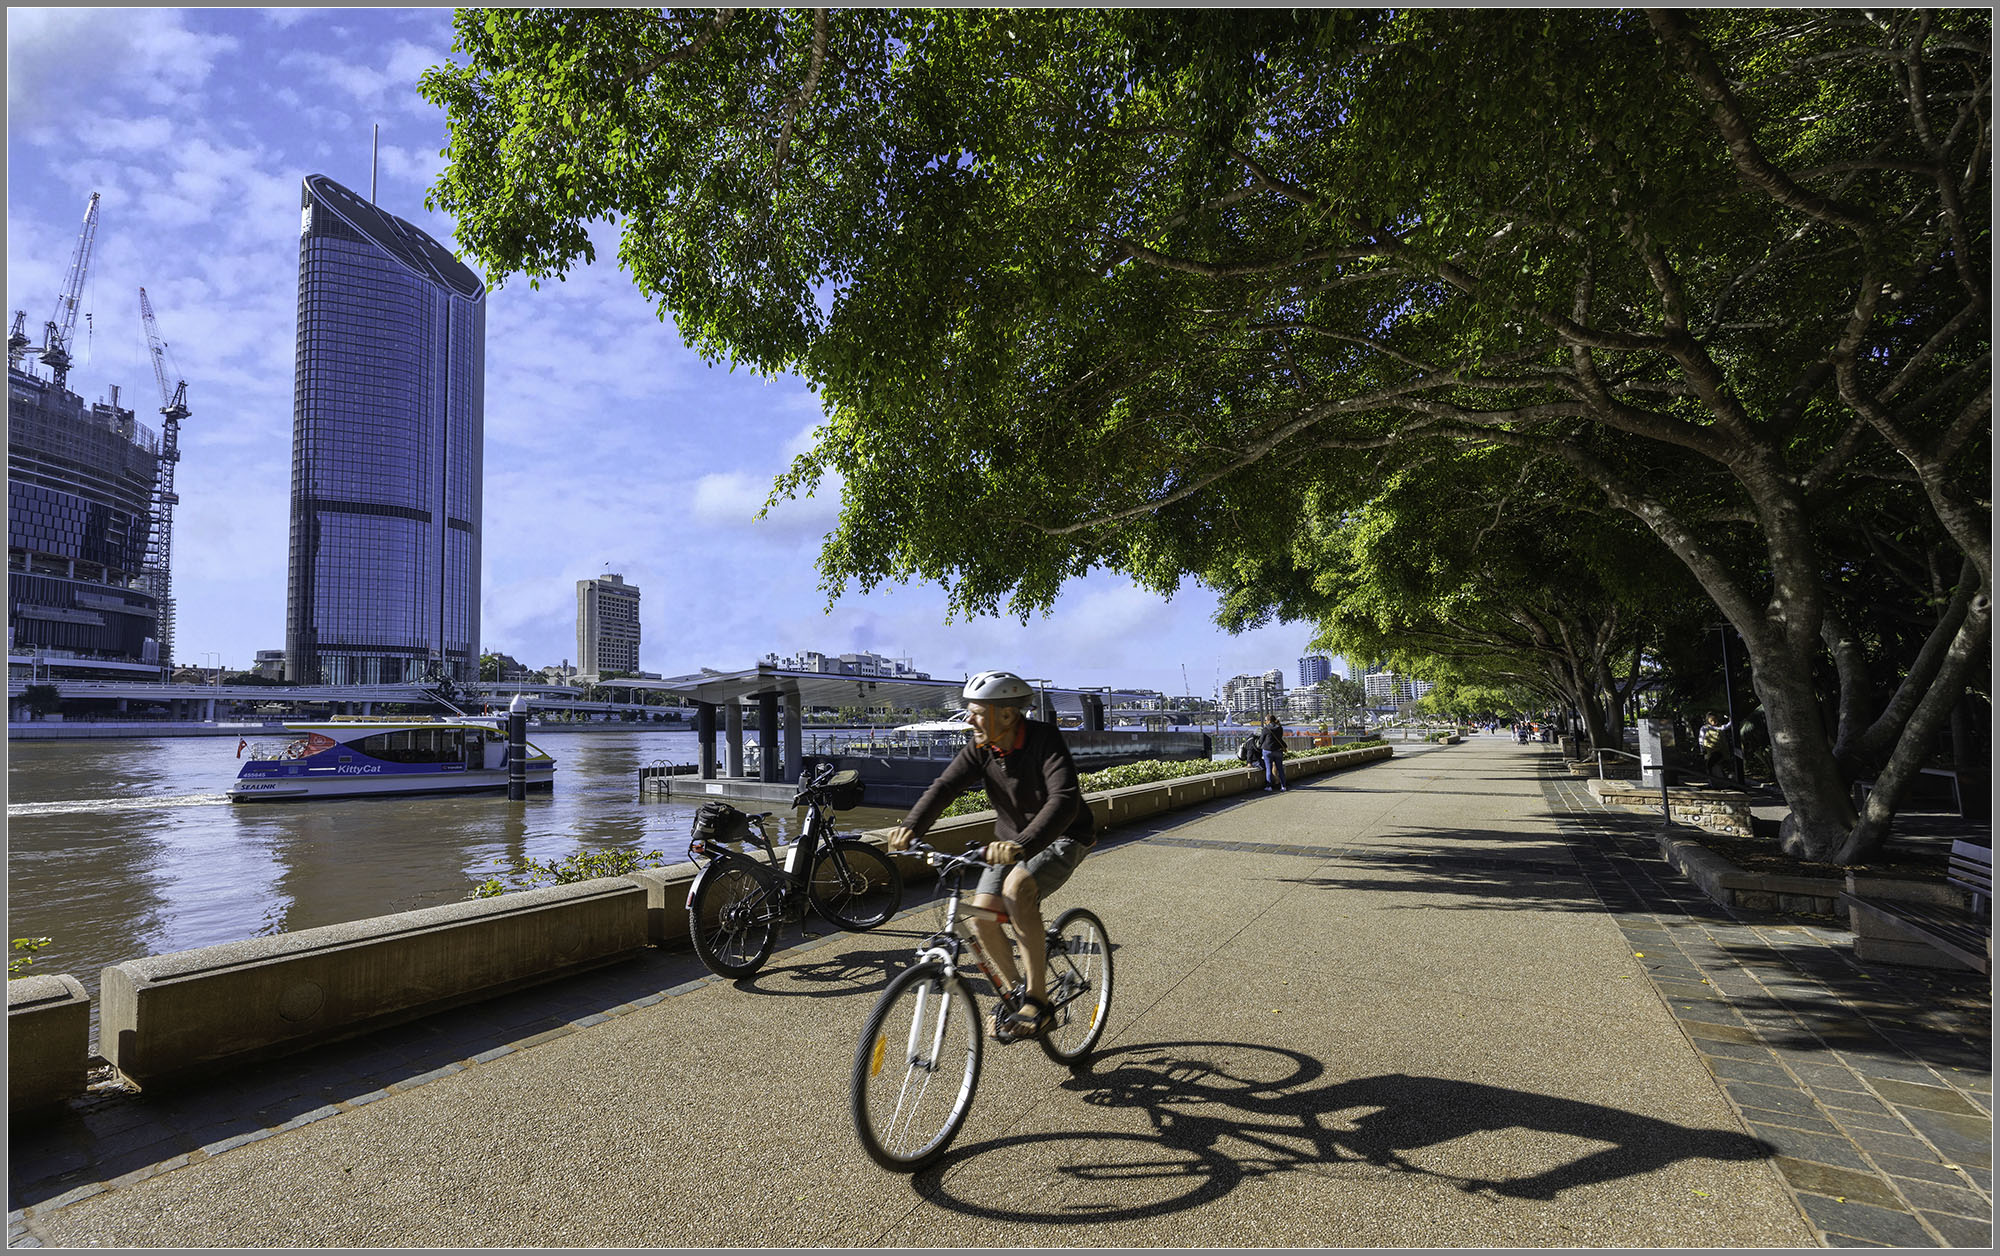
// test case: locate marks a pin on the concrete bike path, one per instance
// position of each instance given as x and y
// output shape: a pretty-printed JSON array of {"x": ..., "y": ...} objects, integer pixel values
[{"x": 1382, "y": 1009}]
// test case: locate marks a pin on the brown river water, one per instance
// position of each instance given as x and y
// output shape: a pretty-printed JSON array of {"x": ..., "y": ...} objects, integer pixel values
[{"x": 122, "y": 849}]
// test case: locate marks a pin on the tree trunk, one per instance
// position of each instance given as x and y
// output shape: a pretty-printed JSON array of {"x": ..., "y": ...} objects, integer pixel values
[{"x": 1933, "y": 713}]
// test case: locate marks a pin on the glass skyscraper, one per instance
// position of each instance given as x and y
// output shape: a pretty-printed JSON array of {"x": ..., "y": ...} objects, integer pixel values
[{"x": 388, "y": 436}]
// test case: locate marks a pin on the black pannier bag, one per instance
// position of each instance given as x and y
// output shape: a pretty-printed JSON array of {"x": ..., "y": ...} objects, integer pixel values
[
  {"x": 721, "y": 823},
  {"x": 843, "y": 790}
]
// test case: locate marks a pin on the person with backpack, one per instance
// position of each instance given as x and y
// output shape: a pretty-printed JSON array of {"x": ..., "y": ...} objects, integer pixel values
[{"x": 1272, "y": 742}]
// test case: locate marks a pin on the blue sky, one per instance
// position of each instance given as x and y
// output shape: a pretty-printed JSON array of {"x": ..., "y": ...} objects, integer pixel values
[{"x": 609, "y": 445}]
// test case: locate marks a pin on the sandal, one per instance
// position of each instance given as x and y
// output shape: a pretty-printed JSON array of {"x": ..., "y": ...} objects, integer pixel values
[{"x": 1017, "y": 1021}]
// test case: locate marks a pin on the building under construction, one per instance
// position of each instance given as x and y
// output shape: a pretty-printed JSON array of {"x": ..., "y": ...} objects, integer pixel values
[{"x": 89, "y": 500}]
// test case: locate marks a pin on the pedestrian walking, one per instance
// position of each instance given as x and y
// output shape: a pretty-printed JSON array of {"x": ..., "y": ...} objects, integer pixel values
[
  {"x": 1714, "y": 741},
  {"x": 1272, "y": 741}
]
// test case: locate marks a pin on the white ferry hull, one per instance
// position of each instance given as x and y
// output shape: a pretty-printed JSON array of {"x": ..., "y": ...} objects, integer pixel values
[
  {"x": 374, "y": 759},
  {"x": 322, "y": 785}
]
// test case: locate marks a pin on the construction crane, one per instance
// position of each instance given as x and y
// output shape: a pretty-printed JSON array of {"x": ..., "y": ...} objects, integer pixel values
[
  {"x": 56, "y": 333},
  {"x": 17, "y": 340},
  {"x": 157, "y": 576}
]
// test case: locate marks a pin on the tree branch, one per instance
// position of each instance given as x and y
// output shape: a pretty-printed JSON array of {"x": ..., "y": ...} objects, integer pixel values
[
  {"x": 1727, "y": 113},
  {"x": 804, "y": 95},
  {"x": 721, "y": 19}
]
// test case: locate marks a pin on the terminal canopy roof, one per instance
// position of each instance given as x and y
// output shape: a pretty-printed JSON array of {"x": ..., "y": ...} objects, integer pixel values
[{"x": 826, "y": 689}]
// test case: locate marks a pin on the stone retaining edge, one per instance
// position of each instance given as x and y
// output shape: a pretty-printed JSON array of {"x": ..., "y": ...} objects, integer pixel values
[
  {"x": 187, "y": 1014},
  {"x": 48, "y": 1041},
  {"x": 1730, "y": 886}
]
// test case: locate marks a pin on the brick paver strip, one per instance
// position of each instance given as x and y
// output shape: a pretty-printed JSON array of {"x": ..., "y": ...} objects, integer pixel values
[{"x": 1879, "y": 1105}]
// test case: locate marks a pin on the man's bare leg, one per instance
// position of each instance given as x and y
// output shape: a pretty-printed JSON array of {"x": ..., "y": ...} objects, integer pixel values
[
  {"x": 1024, "y": 908},
  {"x": 993, "y": 940}
]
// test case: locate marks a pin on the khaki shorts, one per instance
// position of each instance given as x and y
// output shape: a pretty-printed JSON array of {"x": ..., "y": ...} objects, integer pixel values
[{"x": 1050, "y": 867}]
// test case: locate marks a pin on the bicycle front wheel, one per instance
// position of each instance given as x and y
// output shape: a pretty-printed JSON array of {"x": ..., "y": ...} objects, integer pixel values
[
  {"x": 855, "y": 885},
  {"x": 916, "y": 1069},
  {"x": 732, "y": 919},
  {"x": 1079, "y": 985}
]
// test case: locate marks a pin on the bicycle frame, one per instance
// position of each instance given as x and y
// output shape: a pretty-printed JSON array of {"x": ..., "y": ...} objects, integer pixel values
[
  {"x": 947, "y": 947},
  {"x": 787, "y": 882}
]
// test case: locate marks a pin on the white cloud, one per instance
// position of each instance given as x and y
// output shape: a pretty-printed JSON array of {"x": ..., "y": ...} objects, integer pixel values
[
  {"x": 57, "y": 58},
  {"x": 385, "y": 80},
  {"x": 728, "y": 499},
  {"x": 128, "y": 134},
  {"x": 285, "y": 19}
]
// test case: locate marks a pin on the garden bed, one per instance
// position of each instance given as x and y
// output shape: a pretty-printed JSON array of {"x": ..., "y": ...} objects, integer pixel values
[
  {"x": 1753, "y": 874},
  {"x": 1761, "y": 854}
]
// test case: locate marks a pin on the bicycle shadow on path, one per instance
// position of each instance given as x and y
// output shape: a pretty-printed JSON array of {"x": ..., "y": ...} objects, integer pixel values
[{"x": 1223, "y": 1113}]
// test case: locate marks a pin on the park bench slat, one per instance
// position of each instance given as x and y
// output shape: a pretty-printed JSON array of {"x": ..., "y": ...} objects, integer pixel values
[
  {"x": 1960, "y": 933},
  {"x": 1971, "y": 866}
]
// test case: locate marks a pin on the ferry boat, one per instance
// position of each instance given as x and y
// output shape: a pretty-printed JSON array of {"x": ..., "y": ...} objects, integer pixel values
[{"x": 372, "y": 758}]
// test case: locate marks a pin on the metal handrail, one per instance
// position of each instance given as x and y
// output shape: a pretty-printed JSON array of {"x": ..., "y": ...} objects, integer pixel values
[{"x": 1605, "y": 750}]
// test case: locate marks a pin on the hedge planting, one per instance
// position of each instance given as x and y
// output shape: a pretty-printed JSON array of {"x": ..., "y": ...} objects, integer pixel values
[{"x": 1146, "y": 771}]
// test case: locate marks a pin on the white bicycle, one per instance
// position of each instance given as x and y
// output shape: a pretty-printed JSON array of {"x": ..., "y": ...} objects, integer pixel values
[{"x": 917, "y": 1065}]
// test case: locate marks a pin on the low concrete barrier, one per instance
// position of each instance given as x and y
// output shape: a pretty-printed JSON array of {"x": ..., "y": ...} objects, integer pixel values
[
  {"x": 187, "y": 1013},
  {"x": 48, "y": 1041},
  {"x": 191, "y": 1013}
]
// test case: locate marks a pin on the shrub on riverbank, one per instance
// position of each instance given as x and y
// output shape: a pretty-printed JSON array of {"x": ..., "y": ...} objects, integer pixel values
[{"x": 584, "y": 865}]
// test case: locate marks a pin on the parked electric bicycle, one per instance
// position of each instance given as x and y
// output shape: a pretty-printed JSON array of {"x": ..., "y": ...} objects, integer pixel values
[
  {"x": 917, "y": 1066},
  {"x": 738, "y": 902}
]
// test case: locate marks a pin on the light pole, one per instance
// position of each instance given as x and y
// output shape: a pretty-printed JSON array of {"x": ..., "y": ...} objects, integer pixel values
[{"x": 217, "y": 656}]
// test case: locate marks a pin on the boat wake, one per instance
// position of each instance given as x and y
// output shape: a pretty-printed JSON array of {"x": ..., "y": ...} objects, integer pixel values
[{"x": 79, "y": 805}]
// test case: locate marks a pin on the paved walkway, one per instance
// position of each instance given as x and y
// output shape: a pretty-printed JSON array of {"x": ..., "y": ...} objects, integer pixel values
[{"x": 1444, "y": 1000}]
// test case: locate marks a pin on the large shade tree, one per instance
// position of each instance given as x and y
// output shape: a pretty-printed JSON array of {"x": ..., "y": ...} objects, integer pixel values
[
  {"x": 1124, "y": 288},
  {"x": 1481, "y": 568}
]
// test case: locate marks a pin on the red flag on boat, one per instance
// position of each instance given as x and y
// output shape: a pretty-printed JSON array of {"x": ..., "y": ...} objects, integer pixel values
[{"x": 240, "y": 743}]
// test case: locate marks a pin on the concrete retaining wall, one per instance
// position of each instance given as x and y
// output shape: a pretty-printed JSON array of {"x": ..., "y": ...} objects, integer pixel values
[
  {"x": 1730, "y": 886},
  {"x": 194, "y": 1013},
  {"x": 48, "y": 1041},
  {"x": 172, "y": 1015}
]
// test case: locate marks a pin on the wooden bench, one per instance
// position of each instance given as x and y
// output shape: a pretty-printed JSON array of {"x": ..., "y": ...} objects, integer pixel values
[{"x": 1894, "y": 922}]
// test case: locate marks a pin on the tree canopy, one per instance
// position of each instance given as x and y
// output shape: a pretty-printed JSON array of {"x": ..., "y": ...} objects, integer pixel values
[{"x": 1167, "y": 291}]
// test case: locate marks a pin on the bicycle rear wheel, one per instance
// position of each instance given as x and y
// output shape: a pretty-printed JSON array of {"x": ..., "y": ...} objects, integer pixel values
[
  {"x": 1079, "y": 985},
  {"x": 916, "y": 1069},
  {"x": 854, "y": 885},
  {"x": 733, "y": 919}
]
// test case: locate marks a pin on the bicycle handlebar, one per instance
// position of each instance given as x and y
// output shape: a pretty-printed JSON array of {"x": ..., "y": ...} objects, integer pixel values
[{"x": 974, "y": 858}]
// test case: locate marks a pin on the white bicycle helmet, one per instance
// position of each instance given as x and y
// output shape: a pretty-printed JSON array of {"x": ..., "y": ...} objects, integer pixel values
[{"x": 998, "y": 687}]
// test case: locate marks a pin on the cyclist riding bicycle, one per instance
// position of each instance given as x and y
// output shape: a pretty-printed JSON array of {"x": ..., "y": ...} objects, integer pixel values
[{"x": 1043, "y": 831}]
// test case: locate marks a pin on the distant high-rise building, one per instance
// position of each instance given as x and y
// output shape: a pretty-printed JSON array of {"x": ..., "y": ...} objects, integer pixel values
[
  {"x": 607, "y": 625},
  {"x": 388, "y": 441},
  {"x": 1314, "y": 668},
  {"x": 1257, "y": 695},
  {"x": 80, "y": 482}
]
